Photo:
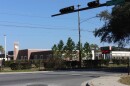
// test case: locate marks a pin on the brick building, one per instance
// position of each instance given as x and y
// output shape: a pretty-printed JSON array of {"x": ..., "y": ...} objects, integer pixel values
[{"x": 30, "y": 54}]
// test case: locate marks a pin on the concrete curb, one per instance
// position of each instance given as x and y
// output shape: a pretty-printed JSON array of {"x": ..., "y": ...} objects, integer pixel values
[
  {"x": 24, "y": 72},
  {"x": 104, "y": 81}
]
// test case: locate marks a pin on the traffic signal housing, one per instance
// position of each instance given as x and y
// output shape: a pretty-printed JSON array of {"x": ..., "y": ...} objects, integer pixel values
[
  {"x": 67, "y": 9},
  {"x": 93, "y": 4}
]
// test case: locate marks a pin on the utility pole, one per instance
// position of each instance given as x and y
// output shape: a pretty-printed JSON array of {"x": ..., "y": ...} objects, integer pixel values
[
  {"x": 5, "y": 45},
  {"x": 80, "y": 60},
  {"x": 128, "y": 65}
]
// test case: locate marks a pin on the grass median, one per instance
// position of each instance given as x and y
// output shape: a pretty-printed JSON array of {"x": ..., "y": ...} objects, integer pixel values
[{"x": 25, "y": 70}]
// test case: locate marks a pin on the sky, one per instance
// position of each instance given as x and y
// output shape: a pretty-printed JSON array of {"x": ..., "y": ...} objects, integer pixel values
[{"x": 29, "y": 22}]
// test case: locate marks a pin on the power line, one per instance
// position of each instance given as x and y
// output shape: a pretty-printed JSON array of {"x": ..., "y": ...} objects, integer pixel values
[
  {"x": 33, "y": 24},
  {"x": 84, "y": 20},
  {"x": 23, "y": 26},
  {"x": 35, "y": 27},
  {"x": 32, "y": 16},
  {"x": 37, "y": 16}
]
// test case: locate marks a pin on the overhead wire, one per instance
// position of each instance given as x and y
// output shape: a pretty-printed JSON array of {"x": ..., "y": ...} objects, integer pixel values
[
  {"x": 28, "y": 25},
  {"x": 36, "y": 27},
  {"x": 33, "y": 16},
  {"x": 33, "y": 24}
]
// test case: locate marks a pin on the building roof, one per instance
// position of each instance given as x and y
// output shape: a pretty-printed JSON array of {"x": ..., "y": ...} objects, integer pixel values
[{"x": 38, "y": 49}]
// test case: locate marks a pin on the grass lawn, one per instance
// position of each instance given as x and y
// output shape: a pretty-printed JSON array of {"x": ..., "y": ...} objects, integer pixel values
[
  {"x": 27, "y": 70},
  {"x": 125, "y": 80}
]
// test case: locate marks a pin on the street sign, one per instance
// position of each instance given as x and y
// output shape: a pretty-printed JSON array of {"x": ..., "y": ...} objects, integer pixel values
[{"x": 115, "y": 2}]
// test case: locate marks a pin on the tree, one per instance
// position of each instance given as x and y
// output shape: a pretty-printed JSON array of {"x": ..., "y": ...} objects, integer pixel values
[
  {"x": 86, "y": 50},
  {"x": 116, "y": 28},
  {"x": 55, "y": 50},
  {"x": 60, "y": 47},
  {"x": 1, "y": 49},
  {"x": 81, "y": 48},
  {"x": 94, "y": 46},
  {"x": 69, "y": 48}
]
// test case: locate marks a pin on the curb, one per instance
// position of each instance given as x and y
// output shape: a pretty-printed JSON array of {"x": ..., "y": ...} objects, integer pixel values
[{"x": 104, "y": 81}]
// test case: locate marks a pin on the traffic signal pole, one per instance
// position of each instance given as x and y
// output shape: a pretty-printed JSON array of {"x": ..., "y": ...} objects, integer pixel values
[
  {"x": 91, "y": 5},
  {"x": 81, "y": 9},
  {"x": 108, "y": 3}
]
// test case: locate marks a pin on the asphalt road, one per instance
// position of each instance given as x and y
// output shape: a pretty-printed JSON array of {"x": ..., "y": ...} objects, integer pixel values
[{"x": 58, "y": 78}]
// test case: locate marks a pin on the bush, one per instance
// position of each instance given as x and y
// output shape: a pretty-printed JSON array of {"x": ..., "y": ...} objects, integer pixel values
[
  {"x": 74, "y": 64},
  {"x": 8, "y": 63},
  {"x": 54, "y": 63},
  {"x": 106, "y": 62},
  {"x": 22, "y": 65},
  {"x": 116, "y": 61},
  {"x": 14, "y": 66},
  {"x": 25, "y": 65},
  {"x": 91, "y": 63},
  {"x": 120, "y": 61},
  {"x": 71, "y": 64}
]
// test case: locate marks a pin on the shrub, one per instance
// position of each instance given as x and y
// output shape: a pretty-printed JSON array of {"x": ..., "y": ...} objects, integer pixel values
[
  {"x": 14, "y": 66},
  {"x": 25, "y": 65},
  {"x": 116, "y": 61},
  {"x": 7, "y": 63},
  {"x": 20, "y": 65},
  {"x": 54, "y": 63},
  {"x": 90, "y": 63},
  {"x": 106, "y": 62}
]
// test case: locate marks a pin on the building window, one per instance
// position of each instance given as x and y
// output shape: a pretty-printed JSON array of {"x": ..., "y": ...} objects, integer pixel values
[
  {"x": 35, "y": 57},
  {"x": 25, "y": 57},
  {"x": 41, "y": 56},
  {"x": 21, "y": 57}
]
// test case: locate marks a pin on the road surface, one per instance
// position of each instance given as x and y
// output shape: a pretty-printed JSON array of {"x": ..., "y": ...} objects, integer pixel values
[{"x": 57, "y": 78}]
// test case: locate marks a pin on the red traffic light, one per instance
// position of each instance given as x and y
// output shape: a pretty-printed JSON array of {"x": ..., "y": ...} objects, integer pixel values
[
  {"x": 67, "y": 9},
  {"x": 93, "y": 4}
]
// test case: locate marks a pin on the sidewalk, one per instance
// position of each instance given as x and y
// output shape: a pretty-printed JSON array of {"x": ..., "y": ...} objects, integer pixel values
[{"x": 104, "y": 81}]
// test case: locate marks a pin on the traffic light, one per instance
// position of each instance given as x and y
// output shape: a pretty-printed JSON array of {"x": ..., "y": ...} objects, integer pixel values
[
  {"x": 94, "y": 3},
  {"x": 67, "y": 9}
]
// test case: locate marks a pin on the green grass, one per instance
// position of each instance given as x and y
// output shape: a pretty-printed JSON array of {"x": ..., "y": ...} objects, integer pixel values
[
  {"x": 27, "y": 70},
  {"x": 125, "y": 80},
  {"x": 114, "y": 65}
]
